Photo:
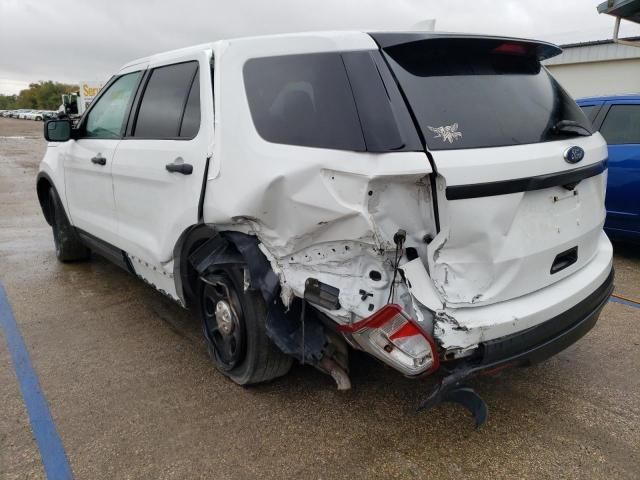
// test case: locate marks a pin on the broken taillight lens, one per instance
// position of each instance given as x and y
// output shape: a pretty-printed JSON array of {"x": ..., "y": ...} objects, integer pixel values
[{"x": 393, "y": 337}]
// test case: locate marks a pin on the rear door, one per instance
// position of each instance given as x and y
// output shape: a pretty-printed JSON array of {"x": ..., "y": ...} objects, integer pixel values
[
  {"x": 159, "y": 166},
  {"x": 88, "y": 160},
  {"x": 518, "y": 211},
  {"x": 621, "y": 129}
]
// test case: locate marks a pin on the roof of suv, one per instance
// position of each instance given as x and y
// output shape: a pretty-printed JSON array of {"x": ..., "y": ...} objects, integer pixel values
[
  {"x": 262, "y": 38},
  {"x": 383, "y": 38}
]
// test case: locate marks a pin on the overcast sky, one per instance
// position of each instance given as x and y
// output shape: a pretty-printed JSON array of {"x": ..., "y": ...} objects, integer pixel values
[{"x": 73, "y": 40}]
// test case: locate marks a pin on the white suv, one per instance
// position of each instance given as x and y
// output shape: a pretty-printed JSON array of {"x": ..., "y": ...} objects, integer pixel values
[{"x": 436, "y": 200}]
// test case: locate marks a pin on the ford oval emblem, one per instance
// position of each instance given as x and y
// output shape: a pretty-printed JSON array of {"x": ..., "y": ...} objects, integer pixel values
[{"x": 574, "y": 154}]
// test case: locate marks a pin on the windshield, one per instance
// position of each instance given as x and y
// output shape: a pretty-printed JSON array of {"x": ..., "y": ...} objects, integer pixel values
[{"x": 471, "y": 93}]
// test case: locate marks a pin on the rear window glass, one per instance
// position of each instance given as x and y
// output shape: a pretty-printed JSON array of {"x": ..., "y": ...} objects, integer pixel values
[
  {"x": 303, "y": 100},
  {"x": 164, "y": 101},
  {"x": 622, "y": 125},
  {"x": 470, "y": 93}
]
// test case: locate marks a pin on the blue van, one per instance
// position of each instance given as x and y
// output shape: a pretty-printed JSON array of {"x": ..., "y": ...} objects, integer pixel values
[{"x": 618, "y": 119}]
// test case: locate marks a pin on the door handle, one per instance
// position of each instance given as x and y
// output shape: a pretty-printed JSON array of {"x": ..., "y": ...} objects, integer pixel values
[
  {"x": 99, "y": 160},
  {"x": 183, "y": 168}
]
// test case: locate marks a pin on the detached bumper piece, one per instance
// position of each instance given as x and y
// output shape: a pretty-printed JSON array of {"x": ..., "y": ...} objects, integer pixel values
[{"x": 520, "y": 349}]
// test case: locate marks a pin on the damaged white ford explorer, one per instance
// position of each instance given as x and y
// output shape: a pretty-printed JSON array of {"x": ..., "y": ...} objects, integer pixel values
[{"x": 435, "y": 200}]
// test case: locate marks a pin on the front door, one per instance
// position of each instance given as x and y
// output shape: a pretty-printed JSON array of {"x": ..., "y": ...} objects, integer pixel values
[{"x": 88, "y": 160}]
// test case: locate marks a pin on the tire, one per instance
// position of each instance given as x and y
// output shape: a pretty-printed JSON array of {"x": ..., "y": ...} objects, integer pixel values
[
  {"x": 255, "y": 359},
  {"x": 69, "y": 248}
]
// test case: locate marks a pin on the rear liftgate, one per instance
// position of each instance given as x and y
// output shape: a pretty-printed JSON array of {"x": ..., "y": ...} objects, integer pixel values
[{"x": 510, "y": 208}]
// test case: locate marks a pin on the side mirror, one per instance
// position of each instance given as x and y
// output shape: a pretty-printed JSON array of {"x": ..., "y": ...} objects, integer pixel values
[{"x": 57, "y": 130}]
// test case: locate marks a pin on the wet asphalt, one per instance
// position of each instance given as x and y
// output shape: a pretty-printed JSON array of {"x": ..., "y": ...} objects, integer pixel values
[{"x": 133, "y": 394}]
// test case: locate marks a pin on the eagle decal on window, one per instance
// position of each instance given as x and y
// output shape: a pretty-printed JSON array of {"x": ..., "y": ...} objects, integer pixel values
[{"x": 448, "y": 133}]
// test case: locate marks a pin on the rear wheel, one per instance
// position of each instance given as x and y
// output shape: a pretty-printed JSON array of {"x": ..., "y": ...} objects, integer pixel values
[
  {"x": 234, "y": 327},
  {"x": 69, "y": 248}
]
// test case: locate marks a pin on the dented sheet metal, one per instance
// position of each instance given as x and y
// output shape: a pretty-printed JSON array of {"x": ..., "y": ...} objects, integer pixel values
[
  {"x": 334, "y": 225},
  {"x": 501, "y": 246},
  {"x": 331, "y": 215},
  {"x": 458, "y": 329},
  {"x": 318, "y": 213}
]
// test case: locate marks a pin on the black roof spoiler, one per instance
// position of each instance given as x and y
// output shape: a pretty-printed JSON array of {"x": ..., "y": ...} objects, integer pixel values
[{"x": 542, "y": 50}]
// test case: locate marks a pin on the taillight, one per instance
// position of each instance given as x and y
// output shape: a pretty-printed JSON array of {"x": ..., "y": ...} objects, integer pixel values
[
  {"x": 393, "y": 337},
  {"x": 517, "y": 49}
]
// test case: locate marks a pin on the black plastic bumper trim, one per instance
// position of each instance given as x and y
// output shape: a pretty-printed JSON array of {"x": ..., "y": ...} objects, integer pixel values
[
  {"x": 565, "y": 329},
  {"x": 527, "y": 347},
  {"x": 540, "y": 182}
]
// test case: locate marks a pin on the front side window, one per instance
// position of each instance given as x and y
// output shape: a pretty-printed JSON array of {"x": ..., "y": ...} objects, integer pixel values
[
  {"x": 473, "y": 93},
  {"x": 163, "y": 103},
  {"x": 622, "y": 125},
  {"x": 106, "y": 118},
  {"x": 303, "y": 100}
]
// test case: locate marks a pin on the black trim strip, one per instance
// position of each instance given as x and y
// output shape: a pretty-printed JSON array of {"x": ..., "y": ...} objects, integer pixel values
[
  {"x": 133, "y": 110},
  {"x": 106, "y": 250},
  {"x": 203, "y": 190},
  {"x": 490, "y": 189}
]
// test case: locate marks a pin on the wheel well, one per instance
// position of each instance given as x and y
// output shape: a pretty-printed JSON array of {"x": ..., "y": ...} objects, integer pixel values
[
  {"x": 43, "y": 186},
  {"x": 202, "y": 249},
  {"x": 185, "y": 275}
]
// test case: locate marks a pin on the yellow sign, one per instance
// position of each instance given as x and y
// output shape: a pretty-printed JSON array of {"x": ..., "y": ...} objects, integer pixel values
[{"x": 88, "y": 91}]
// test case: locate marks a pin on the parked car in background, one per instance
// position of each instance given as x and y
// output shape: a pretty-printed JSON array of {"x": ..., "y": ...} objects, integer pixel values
[
  {"x": 34, "y": 115},
  {"x": 618, "y": 119},
  {"x": 27, "y": 115},
  {"x": 352, "y": 193}
]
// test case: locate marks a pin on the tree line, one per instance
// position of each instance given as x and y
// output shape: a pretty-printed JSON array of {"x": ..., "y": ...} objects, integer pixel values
[{"x": 39, "y": 96}]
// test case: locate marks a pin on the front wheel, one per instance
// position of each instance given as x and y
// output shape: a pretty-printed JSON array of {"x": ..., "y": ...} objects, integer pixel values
[
  {"x": 234, "y": 326},
  {"x": 68, "y": 246}
]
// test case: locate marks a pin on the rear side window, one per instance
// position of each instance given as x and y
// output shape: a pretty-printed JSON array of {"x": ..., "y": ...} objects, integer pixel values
[
  {"x": 473, "y": 93},
  {"x": 622, "y": 125},
  {"x": 303, "y": 100},
  {"x": 163, "y": 103}
]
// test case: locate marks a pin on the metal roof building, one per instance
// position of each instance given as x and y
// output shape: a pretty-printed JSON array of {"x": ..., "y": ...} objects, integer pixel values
[{"x": 600, "y": 67}]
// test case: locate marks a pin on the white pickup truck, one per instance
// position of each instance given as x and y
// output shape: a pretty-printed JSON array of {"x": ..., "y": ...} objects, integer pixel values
[{"x": 435, "y": 200}]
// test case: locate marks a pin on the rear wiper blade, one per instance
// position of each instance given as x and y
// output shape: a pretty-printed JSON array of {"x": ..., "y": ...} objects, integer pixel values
[{"x": 571, "y": 126}]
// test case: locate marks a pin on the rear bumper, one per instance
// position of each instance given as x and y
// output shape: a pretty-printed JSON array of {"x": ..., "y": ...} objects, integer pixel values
[
  {"x": 473, "y": 326},
  {"x": 547, "y": 339},
  {"x": 529, "y": 346}
]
